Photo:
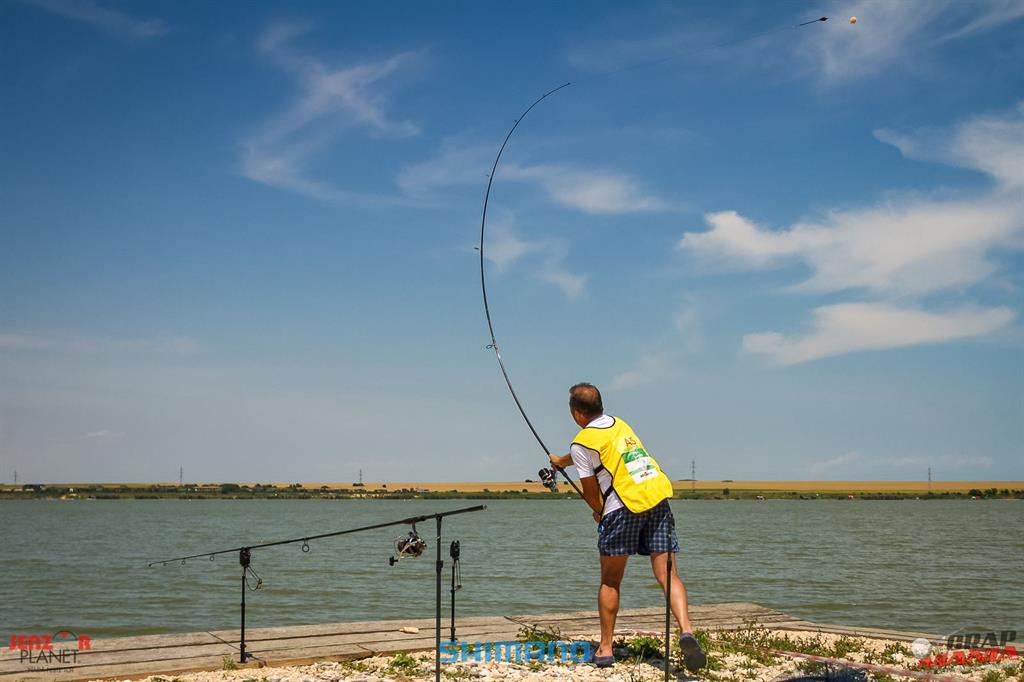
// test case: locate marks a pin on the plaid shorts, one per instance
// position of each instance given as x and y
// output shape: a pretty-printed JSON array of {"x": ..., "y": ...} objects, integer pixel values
[{"x": 649, "y": 532}]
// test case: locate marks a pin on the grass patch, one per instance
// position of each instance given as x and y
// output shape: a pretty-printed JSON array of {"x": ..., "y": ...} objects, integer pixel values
[
  {"x": 644, "y": 647},
  {"x": 404, "y": 664},
  {"x": 228, "y": 663},
  {"x": 532, "y": 633}
]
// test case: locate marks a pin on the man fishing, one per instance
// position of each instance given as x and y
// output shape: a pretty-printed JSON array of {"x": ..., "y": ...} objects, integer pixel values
[{"x": 629, "y": 495}]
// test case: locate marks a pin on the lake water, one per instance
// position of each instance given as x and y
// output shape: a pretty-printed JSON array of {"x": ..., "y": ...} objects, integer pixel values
[{"x": 934, "y": 566}]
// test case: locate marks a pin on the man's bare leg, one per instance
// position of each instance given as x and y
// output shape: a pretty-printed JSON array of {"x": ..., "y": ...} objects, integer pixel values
[
  {"x": 612, "y": 569},
  {"x": 680, "y": 607}
]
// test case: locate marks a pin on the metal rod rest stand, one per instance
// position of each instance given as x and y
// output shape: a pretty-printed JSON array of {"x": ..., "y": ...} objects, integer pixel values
[
  {"x": 454, "y": 551},
  {"x": 245, "y": 559},
  {"x": 437, "y": 606}
]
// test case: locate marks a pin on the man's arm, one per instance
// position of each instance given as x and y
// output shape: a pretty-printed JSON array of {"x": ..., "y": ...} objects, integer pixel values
[
  {"x": 560, "y": 461},
  {"x": 586, "y": 461},
  {"x": 592, "y": 495}
]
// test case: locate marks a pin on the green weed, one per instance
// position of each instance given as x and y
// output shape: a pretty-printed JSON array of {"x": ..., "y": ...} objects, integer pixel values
[
  {"x": 645, "y": 646},
  {"x": 404, "y": 664},
  {"x": 532, "y": 633}
]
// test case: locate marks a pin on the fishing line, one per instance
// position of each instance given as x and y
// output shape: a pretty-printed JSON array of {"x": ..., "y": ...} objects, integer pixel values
[
  {"x": 547, "y": 476},
  {"x": 407, "y": 543},
  {"x": 698, "y": 49}
]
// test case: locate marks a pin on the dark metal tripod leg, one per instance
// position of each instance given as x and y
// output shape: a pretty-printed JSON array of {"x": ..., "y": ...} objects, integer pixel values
[
  {"x": 437, "y": 608},
  {"x": 244, "y": 558},
  {"x": 452, "y": 638},
  {"x": 241, "y": 643}
]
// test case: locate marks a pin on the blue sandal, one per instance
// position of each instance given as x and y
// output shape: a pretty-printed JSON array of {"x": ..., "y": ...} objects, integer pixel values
[{"x": 602, "y": 661}]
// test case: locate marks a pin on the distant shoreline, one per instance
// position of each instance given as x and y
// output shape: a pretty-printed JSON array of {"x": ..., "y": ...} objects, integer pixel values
[{"x": 684, "y": 489}]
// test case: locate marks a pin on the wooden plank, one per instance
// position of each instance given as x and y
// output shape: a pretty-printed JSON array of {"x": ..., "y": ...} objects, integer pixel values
[
  {"x": 282, "y": 646},
  {"x": 151, "y": 643},
  {"x": 121, "y": 671}
]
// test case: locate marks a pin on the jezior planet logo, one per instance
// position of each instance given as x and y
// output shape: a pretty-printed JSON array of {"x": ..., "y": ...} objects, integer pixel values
[{"x": 58, "y": 651}]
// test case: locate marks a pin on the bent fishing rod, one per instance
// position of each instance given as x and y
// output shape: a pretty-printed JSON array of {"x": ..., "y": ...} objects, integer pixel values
[
  {"x": 546, "y": 475},
  {"x": 411, "y": 521}
]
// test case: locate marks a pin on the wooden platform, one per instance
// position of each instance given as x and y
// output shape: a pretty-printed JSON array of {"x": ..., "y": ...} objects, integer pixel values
[{"x": 137, "y": 657}]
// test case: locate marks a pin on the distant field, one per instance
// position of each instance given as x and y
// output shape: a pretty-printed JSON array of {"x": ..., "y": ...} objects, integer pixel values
[
  {"x": 784, "y": 486},
  {"x": 833, "y": 487}
]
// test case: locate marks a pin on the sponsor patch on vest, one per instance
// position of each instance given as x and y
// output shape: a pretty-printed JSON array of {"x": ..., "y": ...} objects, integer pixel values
[{"x": 639, "y": 464}]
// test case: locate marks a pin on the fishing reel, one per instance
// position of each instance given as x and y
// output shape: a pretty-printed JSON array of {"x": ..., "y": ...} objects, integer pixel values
[
  {"x": 547, "y": 477},
  {"x": 408, "y": 546}
]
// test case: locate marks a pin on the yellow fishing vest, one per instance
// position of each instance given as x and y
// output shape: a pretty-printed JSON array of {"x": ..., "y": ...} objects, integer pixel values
[{"x": 636, "y": 477}]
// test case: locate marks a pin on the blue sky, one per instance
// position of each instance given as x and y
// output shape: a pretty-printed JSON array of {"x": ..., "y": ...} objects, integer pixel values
[{"x": 238, "y": 237}]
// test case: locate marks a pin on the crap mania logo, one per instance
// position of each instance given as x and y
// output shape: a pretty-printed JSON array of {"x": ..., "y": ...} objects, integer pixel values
[
  {"x": 51, "y": 652},
  {"x": 971, "y": 648}
]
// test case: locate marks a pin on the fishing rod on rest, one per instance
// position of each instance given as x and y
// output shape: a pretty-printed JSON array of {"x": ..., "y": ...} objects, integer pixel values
[
  {"x": 411, "y": 521},
  {"x": 547, "y": 476},
  {"x": 411, "y": 545}
]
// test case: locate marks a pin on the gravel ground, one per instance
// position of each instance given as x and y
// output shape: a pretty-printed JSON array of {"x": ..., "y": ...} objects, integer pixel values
[{"x": 725, "y": 663}]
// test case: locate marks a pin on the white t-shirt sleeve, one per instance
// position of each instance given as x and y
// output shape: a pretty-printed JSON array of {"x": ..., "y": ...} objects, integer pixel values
[{"x": 584, "y": 458}]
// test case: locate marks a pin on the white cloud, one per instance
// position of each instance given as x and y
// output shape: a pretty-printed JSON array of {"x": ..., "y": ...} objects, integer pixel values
[
  {"x": 663, "y": 361},
  {"x": 899, "y": 250},
  {"x": 167, "y": 345},
  {"x": 909, "y": 246},
  {"x": 591, "y": 190},
  {"x": 885, "y": 30},
  {"x": 816, "y": 469},
  {"x": 848, "y": 327},
  {"x": 900, "y": 34},
  {"x": 891, "y": 33},
  {"x": 992, "y": 144},
  {"x": 331, "y": 100},
  {"x": 111, "y": 21},
  {"x": 503, "y": 247},
  {"x": 15, "y": 341},
  {"x": 992, "y": 15},
  {"x": 864, "y": 466},
  {"x": 585, "y": 189},
  {"x": 912, "y": 245},
  {"x": 454, "y": 165},
  {"x": 571, "y": 284},
  {"x": 945, "y": 461},
  {"x": 103, "y": 434},
  {"x": 650, "y": 368}
]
